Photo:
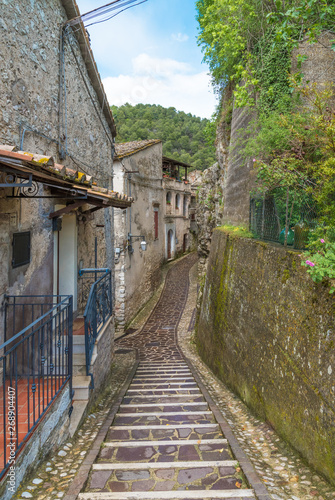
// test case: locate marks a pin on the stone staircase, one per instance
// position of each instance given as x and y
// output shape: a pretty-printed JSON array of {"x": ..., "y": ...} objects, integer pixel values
[
  {"x": 165, "y": 443},
  {"x": 80, "y": 381}
]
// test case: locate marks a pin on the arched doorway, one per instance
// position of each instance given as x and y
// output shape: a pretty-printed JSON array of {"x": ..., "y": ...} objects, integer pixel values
[{"x": 169, "y": 244}]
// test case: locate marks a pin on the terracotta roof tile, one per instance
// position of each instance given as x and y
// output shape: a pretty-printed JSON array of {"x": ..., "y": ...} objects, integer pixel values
[
  {"x": 129, "y": 148},
  {"x": 45, "y": 169}
]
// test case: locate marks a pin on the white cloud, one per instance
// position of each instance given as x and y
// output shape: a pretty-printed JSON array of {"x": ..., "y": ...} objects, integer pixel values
[
  {"x": 163, "y": 81},
  {"x": 179, "y": 37}
]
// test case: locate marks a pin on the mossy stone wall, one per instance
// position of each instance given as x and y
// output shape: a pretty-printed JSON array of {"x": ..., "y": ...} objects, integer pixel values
[{"x": 267, "y": 331}]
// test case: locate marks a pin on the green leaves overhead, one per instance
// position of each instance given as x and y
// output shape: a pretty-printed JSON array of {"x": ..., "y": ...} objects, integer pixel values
[
  {"x": 184, "y": 136},
  {"x": 231, "y": 31}
]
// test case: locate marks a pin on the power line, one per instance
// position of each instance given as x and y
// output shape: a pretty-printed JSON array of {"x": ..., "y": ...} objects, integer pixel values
[
  {"x": 111, "y": 17},
  {"x": 103, "y": 10}
]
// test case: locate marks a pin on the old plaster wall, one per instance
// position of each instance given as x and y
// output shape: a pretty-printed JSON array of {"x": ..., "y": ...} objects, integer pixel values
[
  {"x": 177, "y": 214},
  {"x": 138, "y": 274},
  {"x": 30, "y": 106},
  {"x": 268, "y": 332}
]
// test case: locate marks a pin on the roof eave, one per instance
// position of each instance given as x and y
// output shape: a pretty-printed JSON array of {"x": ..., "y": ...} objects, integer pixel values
[{"x": 72, "y": 10}]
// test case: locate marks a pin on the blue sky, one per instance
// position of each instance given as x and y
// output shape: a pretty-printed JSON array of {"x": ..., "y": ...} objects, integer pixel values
[{"x": 150, "y": 54}]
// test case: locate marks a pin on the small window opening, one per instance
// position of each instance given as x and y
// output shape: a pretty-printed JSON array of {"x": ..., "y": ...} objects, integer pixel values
[{"x": 21, "y": 249}]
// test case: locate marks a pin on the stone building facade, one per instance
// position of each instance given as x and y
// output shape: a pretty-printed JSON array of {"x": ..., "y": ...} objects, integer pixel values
[
  {"x": 178, "y": 196},
  {"x": 159, "y": 215},
  {"x": 56, "y": 175},
  {"x": 138, "y": 172}
]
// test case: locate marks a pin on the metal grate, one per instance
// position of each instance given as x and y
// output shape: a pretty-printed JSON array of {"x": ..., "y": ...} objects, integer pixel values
[{"x": 267, "y": 219}]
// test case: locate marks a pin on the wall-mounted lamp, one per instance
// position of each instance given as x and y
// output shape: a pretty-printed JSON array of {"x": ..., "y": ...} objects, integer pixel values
[{"x": 143, "y": 242}]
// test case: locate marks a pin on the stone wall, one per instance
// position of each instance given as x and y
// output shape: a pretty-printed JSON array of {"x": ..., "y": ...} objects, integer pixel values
[
  {"x": 138, "y": 273},
  {"x": 104, "y": 350},
  {"x": 209, "y": 210},
  {"x": 212, "y": 184},
  {"x": 52, "y": 431},
  {"x": 30, "y": 104},
  {"x": 268, "y": 332},
  {"x": 239, "y": 180}
]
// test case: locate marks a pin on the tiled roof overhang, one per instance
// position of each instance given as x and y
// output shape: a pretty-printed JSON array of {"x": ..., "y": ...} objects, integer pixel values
[
  {"x": 177, "y": 163},
  {"x": 130, "y": 148},
  {"x": 43, "y": 169}
]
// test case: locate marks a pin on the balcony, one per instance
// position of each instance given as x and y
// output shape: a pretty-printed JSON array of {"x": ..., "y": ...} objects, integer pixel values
[{"x": 35, "y": 366}]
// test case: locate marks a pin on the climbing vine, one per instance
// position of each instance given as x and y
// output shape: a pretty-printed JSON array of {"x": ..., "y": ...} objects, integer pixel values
[{"x": 249, "y": 42}]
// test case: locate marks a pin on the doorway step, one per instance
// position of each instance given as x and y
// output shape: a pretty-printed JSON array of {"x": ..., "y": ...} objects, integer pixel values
[{"x": 80, "y": 382}]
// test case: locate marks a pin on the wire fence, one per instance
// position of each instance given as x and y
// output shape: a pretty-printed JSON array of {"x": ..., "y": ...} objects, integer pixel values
[{"x": 272, "y": 219}]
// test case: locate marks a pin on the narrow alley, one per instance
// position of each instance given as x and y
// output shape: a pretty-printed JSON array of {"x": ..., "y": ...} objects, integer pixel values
[{"x": 162, "y": 435}]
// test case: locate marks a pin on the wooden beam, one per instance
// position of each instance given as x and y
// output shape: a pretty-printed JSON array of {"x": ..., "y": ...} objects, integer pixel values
[
  {"x": 91, "y": 210},
  {"x": 67, "y": 209}
]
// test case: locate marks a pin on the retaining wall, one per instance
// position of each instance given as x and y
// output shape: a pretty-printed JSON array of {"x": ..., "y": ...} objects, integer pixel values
[{"x": 267, "y": 331}]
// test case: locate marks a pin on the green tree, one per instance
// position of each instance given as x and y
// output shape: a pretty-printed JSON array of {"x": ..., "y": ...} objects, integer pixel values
[{"x": 184, "y": 136}]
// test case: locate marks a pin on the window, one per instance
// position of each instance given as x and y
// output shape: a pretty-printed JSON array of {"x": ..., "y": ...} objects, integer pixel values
[
  {"x": 185, "y": 207},
  {"x": 21, "y": 249},
  {"x": 168, "y": 198},
  {"x": 177, "y": 201},
  {"x": 156, "y": 222}
]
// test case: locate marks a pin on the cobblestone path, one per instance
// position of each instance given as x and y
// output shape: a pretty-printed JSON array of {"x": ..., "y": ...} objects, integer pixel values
[{"x": 165, "y": 441}]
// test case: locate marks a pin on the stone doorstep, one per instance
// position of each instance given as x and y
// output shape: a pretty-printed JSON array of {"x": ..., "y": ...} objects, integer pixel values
[
  {"x": 164, "y": 413},
  {"x": 79, "y": 356},
  {"x": 169, "y": 495},
  {"x": 165, "y": 465},
  {"x": 81, "y": 385},
  {"x": 135, "y": 444},
  {"x": 164, "y": 426}
]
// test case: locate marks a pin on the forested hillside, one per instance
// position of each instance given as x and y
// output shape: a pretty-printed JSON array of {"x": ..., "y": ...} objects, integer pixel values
[{"x": 183, "y": 135}]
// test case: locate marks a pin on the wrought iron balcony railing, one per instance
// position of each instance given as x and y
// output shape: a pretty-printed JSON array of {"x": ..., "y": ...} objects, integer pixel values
[
  {"x": 98, "y": 309},
  {"x": 35, "y": 365}
]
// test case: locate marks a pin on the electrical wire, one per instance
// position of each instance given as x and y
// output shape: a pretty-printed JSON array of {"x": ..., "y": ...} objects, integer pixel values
[
  {"x": 114, "y": 15},
  {"x": 103, "y": 10}
]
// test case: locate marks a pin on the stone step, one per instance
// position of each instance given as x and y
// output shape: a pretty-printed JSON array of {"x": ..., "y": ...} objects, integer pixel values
[
  {"x": 134, "y": 444},
  {"x": 161, "y": 384},
  {"x": 81, "y": 386},
  {"x": 78, "y": 344},
  {"x": 176, "y": 390},
  {"x": 164, "y": 465},
  {"x": 149, "y": 405},
  {"x": 163, "y": 370},
  {"x": 161, "y": 378},
  {"x": 166, "y": 397},
  {"x": 79, "y": 363},
  {"x": 164, "y": 414},
  {"x": 167, "y": 427},
  {"x": 170, "y": 495}
]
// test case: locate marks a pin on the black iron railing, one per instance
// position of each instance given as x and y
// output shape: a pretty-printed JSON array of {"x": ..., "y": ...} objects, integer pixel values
[
  {"x": 98, "y": 310},
  {"x": 35, "y": 365}
]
